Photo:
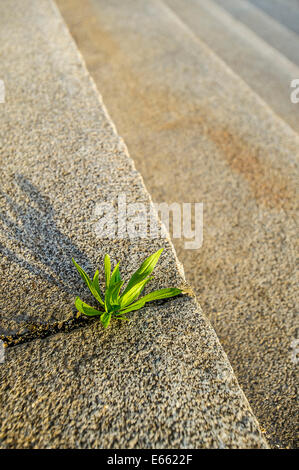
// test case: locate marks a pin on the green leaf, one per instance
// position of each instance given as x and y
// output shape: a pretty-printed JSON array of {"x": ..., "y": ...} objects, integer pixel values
[
  {"x": 88, "y": 282},
  {"x": 105, "y": 319},
  {"x": 133, "y": 293},
  {"x": 162, "y": 294},
  {"x": 107, "y": 264},
  {"x": 117, "y": 305},
  {"x": 114, "y": 293},
  {"x": 156, "y": 295},
  {"x": 115, "y": 276},
  {"x": 86, "y": 309},
  {"x": 135, "y": 306},
  {"x": 82, "y": 273},
  {"x": 96, "y": 285},
  {"x": 145, "y": 270}
]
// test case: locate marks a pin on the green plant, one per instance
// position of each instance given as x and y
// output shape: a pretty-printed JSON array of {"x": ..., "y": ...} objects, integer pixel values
[{"x": 116, "y": 304}]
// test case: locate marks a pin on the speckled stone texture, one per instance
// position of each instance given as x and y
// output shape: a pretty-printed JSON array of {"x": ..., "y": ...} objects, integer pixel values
[
  {"x": 198, "y": 133},
  {"x": 161, "y": 381},
  {"x": 267, "y": 71}
]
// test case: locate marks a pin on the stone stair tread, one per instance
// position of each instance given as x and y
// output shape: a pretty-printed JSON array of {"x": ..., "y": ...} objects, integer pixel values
[
  {"x": 198, "y": 132},
  {"x": 263, "y": 68},
  {"x": 265, "y": 26},
  {"x": 162, "y": 381},
  {"x": 284, "y": 11}
]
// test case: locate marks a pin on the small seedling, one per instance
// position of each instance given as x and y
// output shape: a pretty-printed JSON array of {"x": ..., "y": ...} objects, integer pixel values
[{"x": 116, "y": 304}]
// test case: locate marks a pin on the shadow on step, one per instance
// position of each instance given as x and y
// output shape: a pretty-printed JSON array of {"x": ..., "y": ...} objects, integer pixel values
[{"x": 33, "y": 228}]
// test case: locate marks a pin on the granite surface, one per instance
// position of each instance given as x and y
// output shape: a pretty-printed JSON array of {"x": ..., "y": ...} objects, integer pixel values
[
  {"x": 198, "y": 133},
  {"x": 160, "y": 381}
]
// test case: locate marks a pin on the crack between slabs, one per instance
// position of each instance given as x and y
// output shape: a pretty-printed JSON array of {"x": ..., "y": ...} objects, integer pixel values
[{"x": 49, "y": 329}]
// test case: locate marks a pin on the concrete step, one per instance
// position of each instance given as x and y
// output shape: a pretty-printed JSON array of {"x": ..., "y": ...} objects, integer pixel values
[
  {"x": 162, "y": 381},
  {"x": 265, "y": 26},
  {"x": 284, "y": 11},
  {"x": 262, "y": 67},
  {"x": 198, "y": 133}
]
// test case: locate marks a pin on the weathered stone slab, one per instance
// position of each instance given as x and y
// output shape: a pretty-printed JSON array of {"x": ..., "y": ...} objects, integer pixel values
[
  {"x": 266, "y": 27},
  {"x": 56, "y": 165},
  {"x": 192, "y": 124},
  {"x": 284, "y": 11},
  {"x": 161, "y": 381},
  {"x": 268, "y": 72}
]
